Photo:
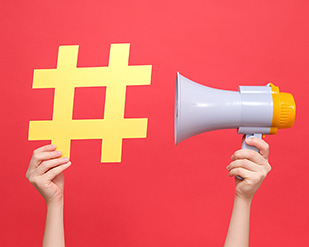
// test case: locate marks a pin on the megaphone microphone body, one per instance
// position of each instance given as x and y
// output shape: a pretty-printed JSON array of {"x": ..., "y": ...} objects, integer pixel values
[{"x": 252, "y": 110}]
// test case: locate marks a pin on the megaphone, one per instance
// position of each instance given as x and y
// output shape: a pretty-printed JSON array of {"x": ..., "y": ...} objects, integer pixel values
[{"x": 252, "y": 110}]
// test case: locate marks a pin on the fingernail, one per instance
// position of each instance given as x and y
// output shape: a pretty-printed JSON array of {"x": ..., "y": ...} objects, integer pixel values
[
  {"x": 53, "y": 146},
  {"x": 249, "y": 139},
  {"x": 227, "y": 168},
  {"x": 65, "y": 159}
]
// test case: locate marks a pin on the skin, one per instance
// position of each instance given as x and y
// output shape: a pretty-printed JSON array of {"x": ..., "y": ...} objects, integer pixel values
[
  {"x": 45, "y": 173},
  {"x": 253, "y": 167}
]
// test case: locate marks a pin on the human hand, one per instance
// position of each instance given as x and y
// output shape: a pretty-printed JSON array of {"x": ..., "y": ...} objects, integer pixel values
[
  {"x": 45, "y": 172},
  {"x": 250, "y": 165}
]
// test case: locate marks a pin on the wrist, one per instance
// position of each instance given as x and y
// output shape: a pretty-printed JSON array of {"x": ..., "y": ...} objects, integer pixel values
[
  {"x": 243, "y": 199},
  {"x": 54, "y": 203}
]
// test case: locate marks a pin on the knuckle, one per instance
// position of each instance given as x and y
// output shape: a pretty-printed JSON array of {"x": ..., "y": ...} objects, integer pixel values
[
  {"x": 266, "y": 146},
  {"x": 251, "y": 154},
  {"x": 266, "y": 169},
  {"x": 53, "y": 172},
  {"x": 263, "y": 174},
  {"x": 269, "y": 167},
  {"x": 241, "y": 163},
  {"x": 32, "y": 180},
  {"x": 230, "y": 174},
  {"x": 30, "y": 177},
  {"x": 36, "y": 151},
  {"x": 234, "y": 164},
  {"x": 235, "y": 170},
  {"x": 35, "y": 156},
  {"x": 44, "y": 165},
  {"x": 236, "y": 154}
]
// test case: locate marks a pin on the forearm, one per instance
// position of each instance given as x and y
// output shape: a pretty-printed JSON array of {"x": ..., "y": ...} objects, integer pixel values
[
  {"x": 238, "y": 232},
  {"x": 54, "y": 230}
]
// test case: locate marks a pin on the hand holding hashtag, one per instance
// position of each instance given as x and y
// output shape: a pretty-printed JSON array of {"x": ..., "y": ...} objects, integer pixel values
[{"x": 45, "y": 172}]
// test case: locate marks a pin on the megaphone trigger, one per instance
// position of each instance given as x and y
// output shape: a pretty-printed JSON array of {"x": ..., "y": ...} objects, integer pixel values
[{"x": 246, "y": 146}]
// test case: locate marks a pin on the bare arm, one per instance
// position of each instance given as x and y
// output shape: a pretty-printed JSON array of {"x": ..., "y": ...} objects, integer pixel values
[
  {"x": 45, "y": 174},
  {"x": 253, "y": 167}
]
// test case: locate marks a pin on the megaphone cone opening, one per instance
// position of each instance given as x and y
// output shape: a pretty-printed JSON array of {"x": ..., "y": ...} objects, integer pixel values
[
  {"x": 176, "y": 112},
  {"x": 251, "y": 110}
]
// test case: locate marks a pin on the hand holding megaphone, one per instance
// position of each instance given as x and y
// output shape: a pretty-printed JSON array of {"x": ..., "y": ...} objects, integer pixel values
[
  {"x": 244, "y": 145},
  {"x": 253, "y": 110}
]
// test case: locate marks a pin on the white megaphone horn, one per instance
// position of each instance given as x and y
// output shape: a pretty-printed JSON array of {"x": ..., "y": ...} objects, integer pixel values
[{"x": 253, "y": 110}]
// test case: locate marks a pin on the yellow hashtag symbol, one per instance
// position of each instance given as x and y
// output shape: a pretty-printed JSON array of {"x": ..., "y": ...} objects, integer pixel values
[{"x": 113, "y": 128}]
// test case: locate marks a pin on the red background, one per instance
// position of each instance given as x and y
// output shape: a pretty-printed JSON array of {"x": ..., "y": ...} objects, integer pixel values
[{"x": 160, "y": 194}]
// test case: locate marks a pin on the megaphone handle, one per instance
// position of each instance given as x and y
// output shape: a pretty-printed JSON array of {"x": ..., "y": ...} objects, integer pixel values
[{"x": 246, "y": 146}]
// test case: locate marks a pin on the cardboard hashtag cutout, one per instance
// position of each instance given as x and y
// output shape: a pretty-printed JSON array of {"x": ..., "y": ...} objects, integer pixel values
[{"x": 113, "y": 128}]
